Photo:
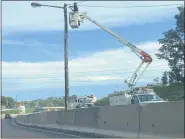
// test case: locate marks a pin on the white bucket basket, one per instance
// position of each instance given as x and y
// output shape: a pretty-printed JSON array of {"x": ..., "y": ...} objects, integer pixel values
[{"x": 74, "y": 19}]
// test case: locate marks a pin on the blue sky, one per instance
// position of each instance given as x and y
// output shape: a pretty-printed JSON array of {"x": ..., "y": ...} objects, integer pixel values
[
  {"x": 32, "y": 49},
  {"x": 78, "y": 42}
]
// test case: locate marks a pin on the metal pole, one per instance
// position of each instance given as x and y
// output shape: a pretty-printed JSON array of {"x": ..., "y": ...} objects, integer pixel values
[
  {"x": 6, "y": 102},
  {"x": 66, "y": 56},
  {"x": 16, "y": 102}
]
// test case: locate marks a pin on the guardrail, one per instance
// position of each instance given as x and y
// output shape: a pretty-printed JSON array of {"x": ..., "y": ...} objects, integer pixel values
[{"x": 148, "y": 120}]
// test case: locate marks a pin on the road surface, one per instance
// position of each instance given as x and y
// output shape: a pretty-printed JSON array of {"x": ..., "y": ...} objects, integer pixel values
[{"x": 11, "y": 130}]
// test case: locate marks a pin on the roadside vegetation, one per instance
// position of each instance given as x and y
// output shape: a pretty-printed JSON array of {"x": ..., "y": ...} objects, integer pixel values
[
  {"x": 172, "y": 92},
  {"x": 10, "y": 112}
]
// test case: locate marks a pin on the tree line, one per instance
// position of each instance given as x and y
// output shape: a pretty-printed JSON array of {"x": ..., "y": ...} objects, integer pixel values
[{"x": 9, "y": 102}]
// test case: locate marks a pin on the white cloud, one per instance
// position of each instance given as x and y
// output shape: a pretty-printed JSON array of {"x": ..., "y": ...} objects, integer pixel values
[
  {"x": 38, "y": 46},
  {"x": 105, "y": 67},
  {"x": 27, "y": 43},
  {"x": 19, "y": 15}
]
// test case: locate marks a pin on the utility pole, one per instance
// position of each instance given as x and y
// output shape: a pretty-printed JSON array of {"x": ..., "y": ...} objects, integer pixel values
[
  {"x": 54, "y": 96},
  {"x": 34, "y": 5},
  {"x": 16, "y": 101},
  {"x": 66, "y": 56},
  {"x": 6, "y": 102}
]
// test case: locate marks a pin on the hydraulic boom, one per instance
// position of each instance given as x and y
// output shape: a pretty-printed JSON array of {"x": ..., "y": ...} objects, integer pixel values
[{"x": 146, "y": 58}]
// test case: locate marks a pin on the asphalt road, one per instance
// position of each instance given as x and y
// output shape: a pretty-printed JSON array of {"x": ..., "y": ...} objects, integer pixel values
[{"x": 11, "y": 130}]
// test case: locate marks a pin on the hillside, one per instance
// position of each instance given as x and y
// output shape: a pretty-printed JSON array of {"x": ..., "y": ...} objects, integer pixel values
[{"x": 173, "y": 92}]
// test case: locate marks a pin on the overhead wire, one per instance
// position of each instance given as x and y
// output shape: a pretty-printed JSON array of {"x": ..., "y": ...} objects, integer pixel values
[
  {"x": 61, "y": 77},
  {"x": 139, "y": 6},
  {"x": 99, "y": 6},
  {"x": 74, "y": 81},
  {"x": 95, "y": 71},
  {"x": 83, "y": 75},
  {"x": 76, "y": 2}
]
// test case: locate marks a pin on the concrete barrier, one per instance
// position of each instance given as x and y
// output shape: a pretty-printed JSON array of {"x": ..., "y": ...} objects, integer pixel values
[
  {"x": 52, "y": 117},
  {"x": 120, "y": 118},
  {"x": 162, "y": 119},
  {"x": 22, "y": 118},
  {"x": 86, "y": 117},
  {"x": 39, "y": 118},
  {"x": 148, "y": 120},
  {"x": 66, "y": 117}
]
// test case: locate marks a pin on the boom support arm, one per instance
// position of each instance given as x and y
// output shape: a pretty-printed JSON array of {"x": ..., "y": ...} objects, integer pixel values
[{"x": 146, "y": 58}]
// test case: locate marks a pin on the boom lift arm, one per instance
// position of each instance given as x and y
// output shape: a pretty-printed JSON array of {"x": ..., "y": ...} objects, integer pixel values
[{"x": 146, "y": 58}]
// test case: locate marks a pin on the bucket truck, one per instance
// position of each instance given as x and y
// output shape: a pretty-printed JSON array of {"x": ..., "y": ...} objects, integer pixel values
[{"x": 140, "y": 95}]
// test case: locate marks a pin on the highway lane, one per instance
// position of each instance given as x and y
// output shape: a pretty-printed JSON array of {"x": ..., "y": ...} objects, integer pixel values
[{"x": 11, "y": 130}]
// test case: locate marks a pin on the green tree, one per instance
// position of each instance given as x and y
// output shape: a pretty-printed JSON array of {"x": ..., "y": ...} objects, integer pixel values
[
  {"x": 164, "y": 78},
  {"x": 50, "y": 102},
  {"x": 10, "y": 103},
  {"x": 156, "y": 80},
  {"x": 32, "y": 104},
  {"x": 42, "y": 103},
  {"x": 175, "y": 76},
  {"x": 3, "y": 100},
  {"x": 172, "y": 49},
  {"x": 102, "y": 102}
]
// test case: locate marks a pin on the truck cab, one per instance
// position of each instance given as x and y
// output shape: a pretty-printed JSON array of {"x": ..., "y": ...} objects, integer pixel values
[{"x": 146, "y": 98}]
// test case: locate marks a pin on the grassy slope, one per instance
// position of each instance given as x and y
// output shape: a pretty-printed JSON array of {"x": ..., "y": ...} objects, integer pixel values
[
  {"x": 28, "y": 110},
  {"x": 10, "y": 112},
  {"x": 173, "y": 92}
]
